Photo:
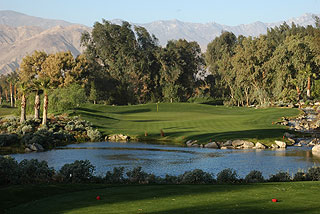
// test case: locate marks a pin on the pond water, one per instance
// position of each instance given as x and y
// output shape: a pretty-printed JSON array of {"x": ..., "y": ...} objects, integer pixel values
[{"x": 173, "y": 160}]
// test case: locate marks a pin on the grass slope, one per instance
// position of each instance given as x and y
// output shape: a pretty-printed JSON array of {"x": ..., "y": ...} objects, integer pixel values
[
  {"x": 5, "y": 111},
  {"x": 182, "y": 121},
  {"x": 294, "y": 197}
]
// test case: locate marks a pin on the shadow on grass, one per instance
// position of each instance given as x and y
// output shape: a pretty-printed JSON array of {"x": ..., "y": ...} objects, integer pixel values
[
  {"x": 85, "y": 114},
  {"x": 87, "y": 110},
  {"x": 133, "y": 111},
  {"x": 116, "y": 194},
  {"x": 164, "y": 199}
]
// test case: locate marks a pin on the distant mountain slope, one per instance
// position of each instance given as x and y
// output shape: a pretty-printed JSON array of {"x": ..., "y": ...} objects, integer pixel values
[
  {"x": 15, "y": 19},
  {"x": 205, "y": 33},
  {"x": 21, "y": 34}
]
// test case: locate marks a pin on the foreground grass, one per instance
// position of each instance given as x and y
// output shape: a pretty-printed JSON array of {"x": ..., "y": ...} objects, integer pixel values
[
  {"x": 294, "y": 197},
  {"x": 183, "y": 121}
]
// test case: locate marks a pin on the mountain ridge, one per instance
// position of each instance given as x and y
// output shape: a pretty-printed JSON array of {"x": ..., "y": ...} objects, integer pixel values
[{"x": 21, "y": 34}]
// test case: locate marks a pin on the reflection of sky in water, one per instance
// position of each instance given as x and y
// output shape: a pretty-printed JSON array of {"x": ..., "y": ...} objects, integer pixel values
[{"x": 164, "y": 159}]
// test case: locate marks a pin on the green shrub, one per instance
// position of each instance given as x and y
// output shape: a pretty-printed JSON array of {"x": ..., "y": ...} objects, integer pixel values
[
  {"x": 70, "y": 97},
  {"x": 94, "y": 135},
  {"x": 313, "y": 173},
  {"x": 254, "y": 177},
  {"x": 77, "y": 172},
  {"x": 8, "y": 171},
  {"x": 280, "y": 177},
  {"x": 300, "y": 176},
  {"x": 137, "y": 176},
  {"x": 196, "y": 176},
  {"x": 116, "y": 176},
  {"x": 32, "y": 171},
  {"x": 8, "y": 139},
  {"x": 227, "y": 176}
]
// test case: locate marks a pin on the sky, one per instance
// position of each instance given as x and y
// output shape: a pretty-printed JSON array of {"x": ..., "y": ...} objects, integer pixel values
[{"x": 228, "y": 12}]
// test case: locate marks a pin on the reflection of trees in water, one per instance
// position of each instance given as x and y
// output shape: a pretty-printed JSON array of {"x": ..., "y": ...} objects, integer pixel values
[{"x": 303, "y": 153}]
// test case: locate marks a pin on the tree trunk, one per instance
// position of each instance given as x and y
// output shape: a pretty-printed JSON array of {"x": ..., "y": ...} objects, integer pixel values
[
  {"x": 94, "y": 102},
  {"x": 45, "y": 108},
  {"x": 298, "y": 92},
  {"x": 37, "y": 106},
  {"x": 23, "y": 108},
  {"x": 6, "y": 93},
  {"x": 309, "y": 86},
  {"x": 15, "y": 95},
  {"x": 11, "y": 95},
  {"x": 0, "y": 96}
]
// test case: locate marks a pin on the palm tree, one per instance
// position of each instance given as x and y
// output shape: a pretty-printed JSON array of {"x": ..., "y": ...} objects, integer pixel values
[{"x": 23, "y": 89}]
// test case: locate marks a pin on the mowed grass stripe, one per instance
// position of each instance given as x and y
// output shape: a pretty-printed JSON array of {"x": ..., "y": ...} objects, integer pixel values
[{"x": 183, "y": 121}]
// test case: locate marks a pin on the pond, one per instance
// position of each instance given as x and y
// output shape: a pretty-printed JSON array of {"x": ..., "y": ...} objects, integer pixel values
[{"x": 174, "y": 160}]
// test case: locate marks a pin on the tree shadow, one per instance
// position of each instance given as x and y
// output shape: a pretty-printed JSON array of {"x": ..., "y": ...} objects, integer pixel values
[
  {"x": 133, "y": 111},
  {"x": 88, "y": 110},
  {"x": 165, "y": 194},
  {"x": 86, "y": 114}
]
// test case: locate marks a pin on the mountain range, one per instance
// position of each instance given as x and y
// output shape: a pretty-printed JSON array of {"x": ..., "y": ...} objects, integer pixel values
[{"x": 21, "y": 34}]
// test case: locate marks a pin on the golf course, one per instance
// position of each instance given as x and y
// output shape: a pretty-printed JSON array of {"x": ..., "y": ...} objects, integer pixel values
[
  {"x": 292, "y": 197},
  {"x": 187, "y": 121}
]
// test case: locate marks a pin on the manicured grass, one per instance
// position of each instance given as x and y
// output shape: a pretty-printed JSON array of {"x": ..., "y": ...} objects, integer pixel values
[
  {"x": 294, "y": 197},
  {"x": 183, "y": 121},
  {"x": 5, "y": 111}
]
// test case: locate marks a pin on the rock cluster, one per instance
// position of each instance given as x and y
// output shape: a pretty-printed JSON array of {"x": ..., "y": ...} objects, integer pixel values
[
  {"x": 235, "y": 144},
  {"x": 117, "y": 137},
  {"x": 34, "y": 147}
]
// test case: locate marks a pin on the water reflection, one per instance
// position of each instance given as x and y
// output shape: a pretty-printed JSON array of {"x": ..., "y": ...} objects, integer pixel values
[{"x": 164, "y": 159}]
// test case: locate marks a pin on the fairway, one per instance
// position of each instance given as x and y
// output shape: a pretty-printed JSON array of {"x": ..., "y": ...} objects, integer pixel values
[
  {"x": 184, "y": 121},
  {"x": 293, "y": 197}
]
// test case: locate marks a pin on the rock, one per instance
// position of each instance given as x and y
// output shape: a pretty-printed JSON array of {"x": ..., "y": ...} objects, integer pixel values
[
  {"x": 260, "y": 146},
  {"x": 227, "y": 143},
  {"x": 39, "y": 147},
  {"x": 118, "y": 137},
  {"x": 27, "y": 149},
  {"x": 201, "y": 146},
  {"x": 297, "y": 144},
  {"x": 274, "y": 146},
  {"x": 247, "y": 145},
  {"x": 224, "y": 147},
  {"x": 189, "y": 143},
  {"x": 237, "y": 143},
  {"x": 288, "y": 135},
  {"x": 291, "y": 140},
  {"x": 213, "y": 145},
  {"x": 281, "y": 144},
  {"x": 195, "y": 145},
  {"x": 316, "y": 149}
]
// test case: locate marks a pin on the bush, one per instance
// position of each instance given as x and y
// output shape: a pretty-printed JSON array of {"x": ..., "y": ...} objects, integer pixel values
[
  {"x": 196, "y": 176},
  {"x": 8, "y": 139},
  {"x": 94, "y": 135},
  {"x": 32, "y": 171},
  {"x": 137, "y": 176},
  {"x": 77, "y": 172},
  {"x": 8, "y": 171},
  {"x": 280, "y": 177},
  {"x": 300, "y": 176},
  {"x": 116, "y": 176},
  {"x": 254, "y": 177},
  {"x": 61, "y": 99},
  {"x": 313, "y": 174},
  {"x": 227, "y": 176}
]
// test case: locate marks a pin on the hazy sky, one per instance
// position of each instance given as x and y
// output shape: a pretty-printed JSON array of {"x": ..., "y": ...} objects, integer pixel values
[{"x": 228, "y": 12}]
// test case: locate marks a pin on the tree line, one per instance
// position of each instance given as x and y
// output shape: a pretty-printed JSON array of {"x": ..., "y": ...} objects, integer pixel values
[{"x": 122, "y": 65}]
